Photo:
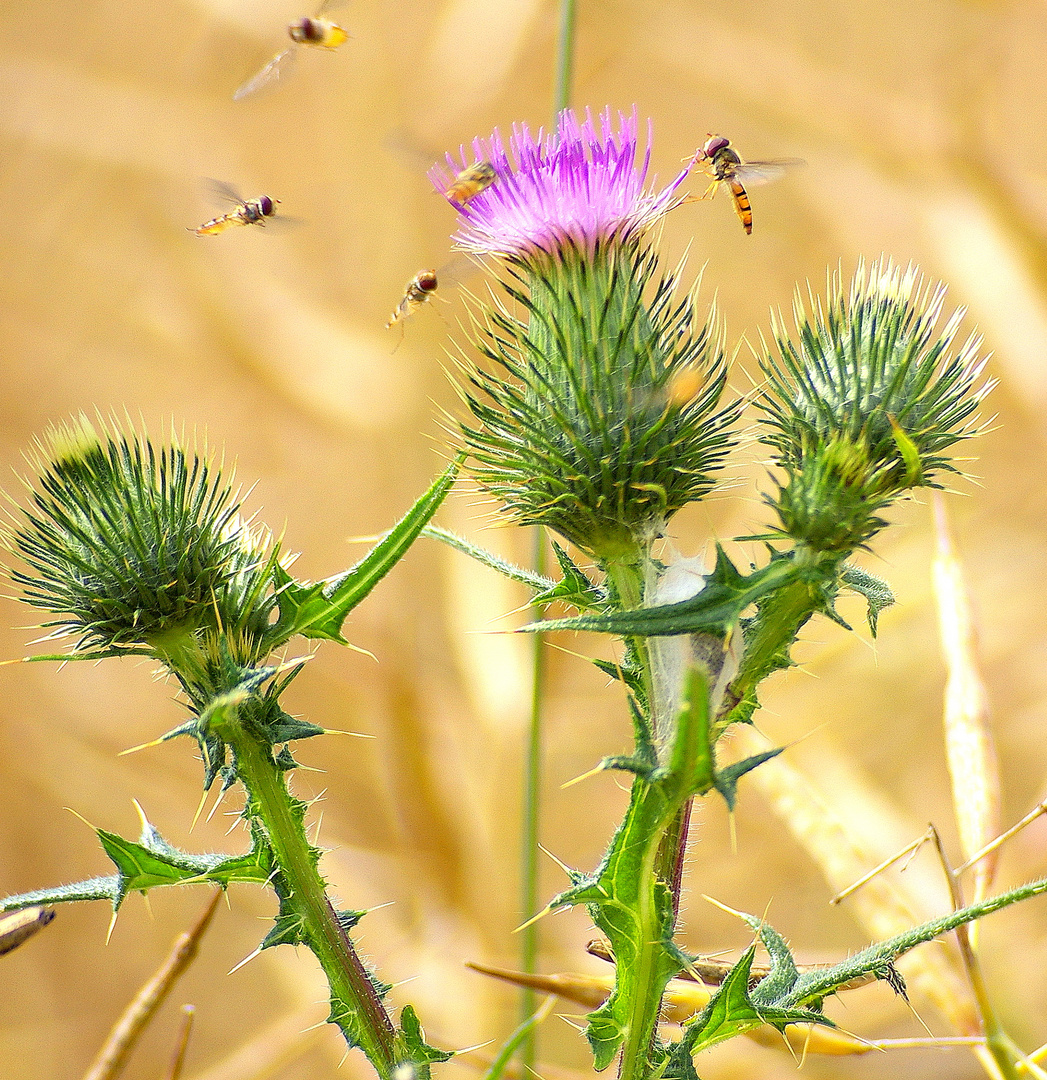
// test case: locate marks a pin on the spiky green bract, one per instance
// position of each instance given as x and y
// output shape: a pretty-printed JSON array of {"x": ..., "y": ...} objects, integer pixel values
[
  {"x": 133, "y": 546},
  {"x": 862, "y": 405},
  {"x": 602, "y": 417}
]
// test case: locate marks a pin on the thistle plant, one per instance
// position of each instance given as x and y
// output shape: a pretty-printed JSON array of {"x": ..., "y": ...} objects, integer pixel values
[
  {"x": 135, "y": 550},
  {"x": 601, "y": 407},
  {"x": 602, "y": 411}
]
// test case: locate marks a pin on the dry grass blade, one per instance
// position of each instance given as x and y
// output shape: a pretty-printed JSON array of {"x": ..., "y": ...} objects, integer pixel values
[
  {"x": 128, "y": 1029},
  {"x": 20, "y": 926},
  {"x": 884, "y": 906},
  {"x": 683, "y": 1000},
  {"x": 271, "y": 1050},
  {"x": 970, "y": 752},
  {"x": 188, "y": 1014}
]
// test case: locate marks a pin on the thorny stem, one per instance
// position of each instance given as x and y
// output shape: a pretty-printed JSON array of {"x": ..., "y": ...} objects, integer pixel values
[
  {"x": 641, "y": 1026},
  {"x": 662, "y": 861},
  {"x": 371, "y": 1028}
]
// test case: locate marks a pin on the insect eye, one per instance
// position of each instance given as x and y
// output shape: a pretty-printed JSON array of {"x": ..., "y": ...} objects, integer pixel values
[
  {"x": 427, "y": 281},
  {"x": 306, "y": 30},
  {"x": 715, "y": 144},
  {"x": 265, "y": 204}
]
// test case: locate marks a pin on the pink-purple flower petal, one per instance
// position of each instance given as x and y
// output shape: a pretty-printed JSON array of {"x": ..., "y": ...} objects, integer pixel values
[{"x": 579, "y": 187}]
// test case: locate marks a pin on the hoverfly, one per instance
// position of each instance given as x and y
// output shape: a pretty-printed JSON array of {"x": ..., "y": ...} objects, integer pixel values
[
  {"x": 419, "y": 290},
  {"x": 470, "y": 182},
  {"x": 720, "y": 162},
  {"x": 317, "y": 31},
  {"x": 246, "y": 211},
  {"x": 422, "y": 288}
]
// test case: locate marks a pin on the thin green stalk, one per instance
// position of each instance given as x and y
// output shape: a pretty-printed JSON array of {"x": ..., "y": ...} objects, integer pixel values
[
  {"x": 626, "y": 578},
  {"x": 371, "y": 1027},
  {"x": 529, "y": 895},
  {"x": 564, "y": 57}
]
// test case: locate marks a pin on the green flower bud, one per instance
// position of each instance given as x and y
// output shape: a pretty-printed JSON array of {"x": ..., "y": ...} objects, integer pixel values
[
  {"x": 860, "y": 408},
  {"x": 130, "y": 546},
  {"x": 608, "y": 422}
]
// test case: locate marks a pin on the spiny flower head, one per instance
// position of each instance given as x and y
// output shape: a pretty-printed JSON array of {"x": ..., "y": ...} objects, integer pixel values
[
  {"x": 601, "y": 417},
  {"x": 861, "y": 406},
  {"x": 133, "y": 546},
  {"x": 578, "y": 187}
]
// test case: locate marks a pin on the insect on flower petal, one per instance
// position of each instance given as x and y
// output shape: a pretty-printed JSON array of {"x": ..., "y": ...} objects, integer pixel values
[{"x": 578, "y": 186}]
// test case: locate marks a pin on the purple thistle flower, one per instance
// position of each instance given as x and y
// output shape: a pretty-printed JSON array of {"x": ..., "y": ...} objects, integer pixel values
[{"x": 575, "y": 188}]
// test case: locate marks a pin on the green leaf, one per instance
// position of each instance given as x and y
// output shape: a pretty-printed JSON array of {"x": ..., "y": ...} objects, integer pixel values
[
  {"x": 877, "y": 593},
  {"x": 691, "y": 760},
  {"x": 148, "y": 864},
  {"x": 416, "y": 1050},
  {"x": 510, "y": 570},
  {"x": 728, "y": 1013},
  {"x": 731, "y": 1012},
  {"x": 574, "y": 587},
  {"x": 289, "y": 923},
  {"x": 714, "y": 610},
  {"x": 318, "y": 610},
  {"x": 726, "y": 782},
  {"x": 783, "y": 974}
]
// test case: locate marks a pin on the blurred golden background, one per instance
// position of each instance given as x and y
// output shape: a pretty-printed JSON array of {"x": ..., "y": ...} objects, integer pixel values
[{"x": 923, "y": 126}]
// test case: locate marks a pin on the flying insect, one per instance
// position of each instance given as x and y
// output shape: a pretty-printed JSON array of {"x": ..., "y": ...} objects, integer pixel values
[
  {"x": 245, "y": 212},
  {"x": 718, "y": 160},
  {"x": 470, "y": 182},
  {"x": 316, "y": 31},
  {"x": 419, "y": 290}
]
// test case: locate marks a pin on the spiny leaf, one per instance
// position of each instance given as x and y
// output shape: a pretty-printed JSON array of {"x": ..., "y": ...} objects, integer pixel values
[
  {"x": 319, "y": 610},
  {"x": 510, "y": 570},
  {"x": 715, "y": 610},
  {"x": 148, "y": 864},
  {"x": 877, "y": 593},
  {"x": 417, "y": 1051},
  {"x": 727, "y": 778}
]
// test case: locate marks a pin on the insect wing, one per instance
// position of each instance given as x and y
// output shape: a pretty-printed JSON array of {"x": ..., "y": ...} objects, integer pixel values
[
  {"x": 222, "y": 192},
  {"x": 277, "y": 68},
  {"x": 754, "y": 173}
]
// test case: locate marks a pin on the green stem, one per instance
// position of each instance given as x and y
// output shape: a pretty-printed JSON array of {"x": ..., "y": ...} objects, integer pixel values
[
  {"x": 646, "y": 968},
  {"x": 626, "y": 580},
  {"x": 650, "y": 985},
  {"x": 529, "y": 901},
  {"x": 781, "y": 616},
  {"x": 660, "y": 863},
  {"x": 564, "y": 57},
  {"x": 365, "y": 1022}
]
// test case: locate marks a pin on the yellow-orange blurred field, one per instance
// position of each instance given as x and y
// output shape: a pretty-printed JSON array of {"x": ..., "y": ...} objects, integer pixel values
[{"x": 923, "y": 128}]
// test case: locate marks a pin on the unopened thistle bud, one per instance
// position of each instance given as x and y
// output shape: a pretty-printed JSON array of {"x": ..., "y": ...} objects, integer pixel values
[
  {"x": 130, "y": 546},
  {"x": 861, "y": 405},
  {"x": 601, "y": 418}
]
